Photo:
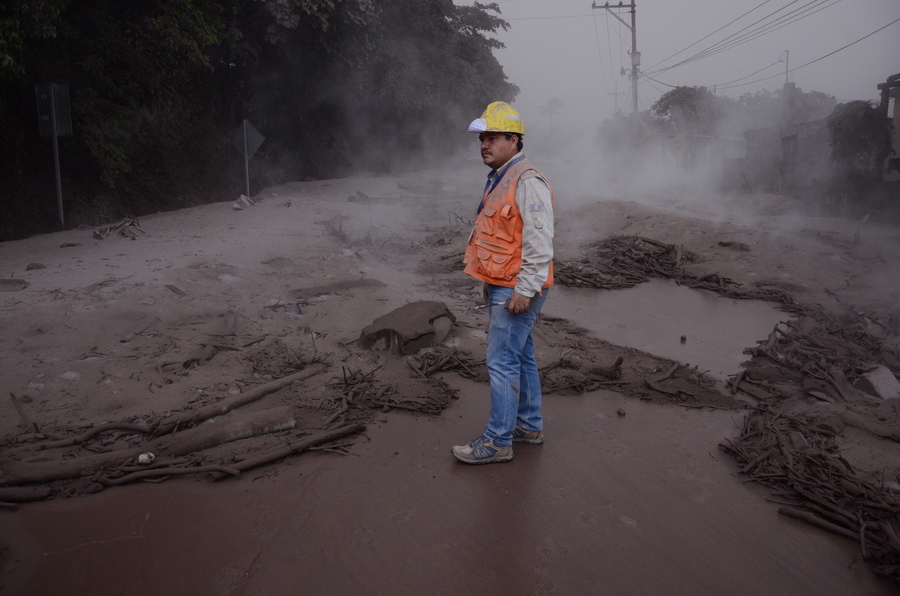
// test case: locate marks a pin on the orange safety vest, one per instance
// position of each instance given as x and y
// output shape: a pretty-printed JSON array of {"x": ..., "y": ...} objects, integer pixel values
[{"x": 494, "y": 252}]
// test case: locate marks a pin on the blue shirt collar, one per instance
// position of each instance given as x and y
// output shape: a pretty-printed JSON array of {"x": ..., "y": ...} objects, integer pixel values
[{"x": 502, "y": 169}]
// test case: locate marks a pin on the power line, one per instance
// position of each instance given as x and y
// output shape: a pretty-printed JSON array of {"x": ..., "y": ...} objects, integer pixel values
[
  {"x": 571, "y": 16},
  {"x": 644, "y": 75},
  {"x": 711, "y": 48},
  {"x": 621, "y": 41},
  {"x": 647, "y": 100},
  {"x": 600, "y": 55},
  {"x": 727, "y": 38},
  {"x": 609, "y": 45},
  {"x": 804, "y": 11},
  {"x": 750, "y": 33},
  {"x": 654, "y": 86},
  {"x": 897, "y": 20},
  {"x": 793, "y": 70},
  {"x": 708, "y": 36},
  {"x": 749, "y": 75}
]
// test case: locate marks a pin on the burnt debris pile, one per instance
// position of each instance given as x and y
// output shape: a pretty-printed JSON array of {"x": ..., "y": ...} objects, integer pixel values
[
  {"x": 799, "y": 458},
  {"x": 621, "y": 262},
  {"x": 216, "y": 437},
  {"x": 815, "y": 383}
]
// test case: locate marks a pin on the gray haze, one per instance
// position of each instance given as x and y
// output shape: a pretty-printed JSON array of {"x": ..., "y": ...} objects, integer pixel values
[{"x": 564, "y": 49}]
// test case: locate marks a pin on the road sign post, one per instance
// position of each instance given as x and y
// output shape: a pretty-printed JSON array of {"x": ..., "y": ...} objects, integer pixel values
[
  {"x": 248, "y": 140},
  {"x": 54, "y": 120}
]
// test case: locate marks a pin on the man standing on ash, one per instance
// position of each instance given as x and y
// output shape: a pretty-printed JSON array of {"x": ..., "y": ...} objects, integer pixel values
[{"x": 511, "y": 251}]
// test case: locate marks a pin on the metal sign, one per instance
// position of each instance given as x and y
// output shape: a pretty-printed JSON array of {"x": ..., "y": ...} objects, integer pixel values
[
  {"x": 247, "y": 139},
  {"x": 53, "y": 100}
]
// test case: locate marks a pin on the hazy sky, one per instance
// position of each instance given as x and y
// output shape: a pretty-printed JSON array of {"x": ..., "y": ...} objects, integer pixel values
[{"x": 566, "y": 49}]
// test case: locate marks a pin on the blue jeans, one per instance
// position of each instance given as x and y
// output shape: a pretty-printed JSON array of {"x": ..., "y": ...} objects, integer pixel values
[{"x": 515, "y": 385}]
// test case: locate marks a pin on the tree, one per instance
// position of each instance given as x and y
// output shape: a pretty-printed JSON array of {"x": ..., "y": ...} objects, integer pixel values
[
  {"x": 392, "y": 76},
  {"x": 551, "y": 108},
  {"x": 333, "y": 85},
  {"x": 814, "y": 105},
  {"x": 765, "y": 109},
  {"x": 860, "y": 140},
  {"x": 135, "y": 70},
  {"x": 687, "y": 109},
  {"x": 694, "y": 110},
  {"x": 143, "y": 72},
  {"x": 21, "y": 23}
]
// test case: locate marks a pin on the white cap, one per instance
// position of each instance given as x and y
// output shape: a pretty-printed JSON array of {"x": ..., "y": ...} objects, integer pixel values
[{"x": 478, "y": 125}]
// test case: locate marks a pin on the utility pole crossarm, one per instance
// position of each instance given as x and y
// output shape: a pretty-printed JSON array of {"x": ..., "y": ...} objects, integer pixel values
[{"x": 610, "y": 9}]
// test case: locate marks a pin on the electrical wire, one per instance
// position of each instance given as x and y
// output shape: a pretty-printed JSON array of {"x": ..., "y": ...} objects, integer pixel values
[
  {"x": 654, "y": 86},
  {"x": 729, "y": 38},
  {"x": 621, "y": 43},
  {"x": 744, "y": 36},
  {"x": 724, "y": 40},
  {"x": 599, "y": 54},
  {"x": 646, "y": 100},
  {"x": 643, "y": 75},
  {"x": 609, "y": 47},
  {"x": 725, "y": 85},
  {"x": 722, "y": 45},
  {"x": 652, "y": 66},
  {"x": 550, "y": 18},
  {"x": 804, "y": 11},
  {"x": 791, "y": 71}
]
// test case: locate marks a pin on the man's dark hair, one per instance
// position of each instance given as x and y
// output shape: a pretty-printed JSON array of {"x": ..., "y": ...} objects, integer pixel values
[{"x": 520, "y": 142}]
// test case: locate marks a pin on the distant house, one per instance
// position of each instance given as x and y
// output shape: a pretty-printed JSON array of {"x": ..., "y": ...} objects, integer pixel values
[
  {"x": 708, "y": 155},
  {"x": 890, "y": 108},
  {"x": 787, "y": 160},
  {"x": 701, "y": 150},
  {"x": 806, "y": 151},
  {"x": 762, "y": 165},
  {"x": 796, "y": 156}
]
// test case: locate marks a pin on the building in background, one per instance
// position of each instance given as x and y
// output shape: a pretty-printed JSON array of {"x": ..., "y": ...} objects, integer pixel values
[{"x": 889, "y": 108}]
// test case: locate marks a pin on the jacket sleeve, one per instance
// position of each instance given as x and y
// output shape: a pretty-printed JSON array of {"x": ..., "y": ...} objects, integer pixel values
[{"x": 535, "y": 204}]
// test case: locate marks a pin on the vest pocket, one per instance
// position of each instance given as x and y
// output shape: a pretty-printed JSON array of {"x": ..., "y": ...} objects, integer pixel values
[
  {"x": 496, "y": 265},
  {"x": 486, "y": 223},
  {"x": 505, "y": 227}
]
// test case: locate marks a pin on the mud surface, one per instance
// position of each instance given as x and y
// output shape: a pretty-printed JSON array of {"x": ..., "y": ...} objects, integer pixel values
[
  {"x": 633, "y": 504},
  {"x": 660, "y": 317},
  {"x": 630, "y": 492}
]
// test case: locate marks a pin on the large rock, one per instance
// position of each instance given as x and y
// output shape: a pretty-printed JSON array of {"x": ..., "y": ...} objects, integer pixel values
[
  {"x": 409, "y": 328},
  {"x": 879, "y": 382}
]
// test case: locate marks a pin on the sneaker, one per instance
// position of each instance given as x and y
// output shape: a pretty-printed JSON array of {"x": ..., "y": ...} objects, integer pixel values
[
  {"x": 482, "y": 451},
  {"x": 534, "y": 437}
]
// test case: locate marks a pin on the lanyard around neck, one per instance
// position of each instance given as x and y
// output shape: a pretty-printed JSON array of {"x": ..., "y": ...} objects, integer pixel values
[{"x": 491, "y": 184}]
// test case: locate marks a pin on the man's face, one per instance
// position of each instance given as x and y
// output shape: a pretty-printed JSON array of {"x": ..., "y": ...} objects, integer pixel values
[{"x": 497, "y": 148}]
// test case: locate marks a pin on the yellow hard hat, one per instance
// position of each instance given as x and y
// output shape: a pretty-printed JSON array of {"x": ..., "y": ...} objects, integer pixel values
[{"x": 499, "y": 117}]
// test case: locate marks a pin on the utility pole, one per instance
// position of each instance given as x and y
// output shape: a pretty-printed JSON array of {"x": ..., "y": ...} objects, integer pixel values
[
  {"x": 787, "y": 61},
  {"x": 788, "y": 162},
  {"x": 616, "y": 95},
  {"x": 635, "y": 55}
]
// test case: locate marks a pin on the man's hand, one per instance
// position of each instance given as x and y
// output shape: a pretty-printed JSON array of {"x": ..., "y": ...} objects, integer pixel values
[
  {"x": 518, "y": 303},
  {"x": 484, "y": 292}
]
